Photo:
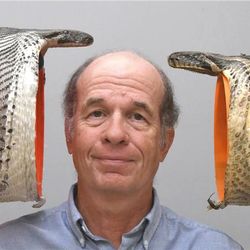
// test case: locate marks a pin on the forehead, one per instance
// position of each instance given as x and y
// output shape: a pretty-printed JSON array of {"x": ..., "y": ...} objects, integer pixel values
[
  {"x": 122, "y": 70},
  {"x": 122, "y": 64}
]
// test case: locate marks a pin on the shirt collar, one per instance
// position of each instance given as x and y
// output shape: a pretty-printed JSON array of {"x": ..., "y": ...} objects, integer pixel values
[
  {"x": 74, "y": 216},
  {"x": 149, "y": 223},
  {"x": 153, "y": 218}
]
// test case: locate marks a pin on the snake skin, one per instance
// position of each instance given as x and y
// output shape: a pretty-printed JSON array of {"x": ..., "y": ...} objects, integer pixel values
[
  {"x": 19, "y": 67},
  {"x": 237, "y": 71}
]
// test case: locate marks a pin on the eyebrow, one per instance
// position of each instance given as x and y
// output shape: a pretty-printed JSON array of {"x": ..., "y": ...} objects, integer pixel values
[
  {"x": 94, "y": 100},
  {"x": 144, "y": 106}
]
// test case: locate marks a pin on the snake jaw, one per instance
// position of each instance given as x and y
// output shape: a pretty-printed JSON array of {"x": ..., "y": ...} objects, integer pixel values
[
  {"x": 215, "y": 204},
  {"x": 194, "y": 61},
  {"x": 67, "y": 38}
]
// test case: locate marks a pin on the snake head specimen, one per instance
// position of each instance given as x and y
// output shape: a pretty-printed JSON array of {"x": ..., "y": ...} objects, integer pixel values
[
  {"x": 22, "y": 78},
  {"x": 231, "y": 121}
]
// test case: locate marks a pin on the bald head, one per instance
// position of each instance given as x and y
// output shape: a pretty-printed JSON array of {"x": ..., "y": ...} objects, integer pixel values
[{"x": 123, "y": 64}]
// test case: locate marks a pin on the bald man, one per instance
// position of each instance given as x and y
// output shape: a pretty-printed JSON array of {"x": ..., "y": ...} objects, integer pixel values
[{"x": 119, "y": 125}]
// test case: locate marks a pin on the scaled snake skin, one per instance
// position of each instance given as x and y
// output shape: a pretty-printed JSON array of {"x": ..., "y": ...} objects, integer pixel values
[
  {"x": 236, "y": 69},
  {"x": 21, "y": 64}
]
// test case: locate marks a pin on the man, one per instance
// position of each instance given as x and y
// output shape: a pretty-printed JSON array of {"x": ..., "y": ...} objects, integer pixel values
[{"x": 119, "y": 125}]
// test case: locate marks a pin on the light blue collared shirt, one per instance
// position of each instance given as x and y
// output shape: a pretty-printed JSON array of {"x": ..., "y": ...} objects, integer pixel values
[{"x": 63, "y": 228}]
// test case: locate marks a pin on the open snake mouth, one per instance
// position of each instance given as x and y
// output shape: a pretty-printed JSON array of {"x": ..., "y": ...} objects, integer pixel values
[
  {"x": 231, "y": 121},
  {"x": 22, "y": 79}
]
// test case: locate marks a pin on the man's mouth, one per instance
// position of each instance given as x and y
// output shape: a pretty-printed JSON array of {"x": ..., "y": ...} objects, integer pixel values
[{"x": 112, "y": 158}]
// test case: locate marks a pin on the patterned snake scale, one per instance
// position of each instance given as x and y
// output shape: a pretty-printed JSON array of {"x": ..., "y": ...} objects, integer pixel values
[
  {"x": 21, "y": 65},
  {"x": 236, "y": 71}
]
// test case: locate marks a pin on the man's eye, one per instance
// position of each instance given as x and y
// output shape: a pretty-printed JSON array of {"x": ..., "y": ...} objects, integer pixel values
[
  {"x": 137, "y": 117},
  {"x": 96, "y": 114}
]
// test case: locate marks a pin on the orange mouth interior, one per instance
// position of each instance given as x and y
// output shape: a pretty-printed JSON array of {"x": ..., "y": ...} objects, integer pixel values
[
  {"x": 39, "y": 126},
  {"x": 221, "y": 109}
]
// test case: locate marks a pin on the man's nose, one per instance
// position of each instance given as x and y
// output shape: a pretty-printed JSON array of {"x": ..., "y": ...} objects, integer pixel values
[{"x": 115, "y": 131}]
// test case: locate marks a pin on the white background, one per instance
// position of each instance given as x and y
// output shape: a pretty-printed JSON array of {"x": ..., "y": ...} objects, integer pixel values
[{"x": 186, "y": 178}]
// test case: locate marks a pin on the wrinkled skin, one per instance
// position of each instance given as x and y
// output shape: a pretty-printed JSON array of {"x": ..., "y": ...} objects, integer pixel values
[{"x": 115, "y": 142}]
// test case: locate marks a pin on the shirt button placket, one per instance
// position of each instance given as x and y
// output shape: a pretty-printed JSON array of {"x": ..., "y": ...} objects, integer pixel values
[
  {"x": 145, "y": 244},
  {"x": 82, "y": 242}
]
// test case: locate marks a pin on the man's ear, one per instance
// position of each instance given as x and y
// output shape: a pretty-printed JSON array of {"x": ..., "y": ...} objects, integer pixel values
[
  {"x": 68, "y": 134},
  {"x": 167, "y": 142}
]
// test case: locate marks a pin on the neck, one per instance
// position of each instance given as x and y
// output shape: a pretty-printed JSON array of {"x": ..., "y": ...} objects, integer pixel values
[{"x": 117, "y": 213}]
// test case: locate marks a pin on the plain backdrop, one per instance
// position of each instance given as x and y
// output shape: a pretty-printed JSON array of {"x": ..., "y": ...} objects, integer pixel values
[{"x": 186, "y": 178}]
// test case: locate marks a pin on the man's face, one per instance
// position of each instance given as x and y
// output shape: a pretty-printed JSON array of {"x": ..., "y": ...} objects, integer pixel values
[{"x": 115, "y": 142}]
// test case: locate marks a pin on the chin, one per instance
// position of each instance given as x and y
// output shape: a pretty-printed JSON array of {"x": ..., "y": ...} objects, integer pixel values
[{"x": 116, "y": 185}]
